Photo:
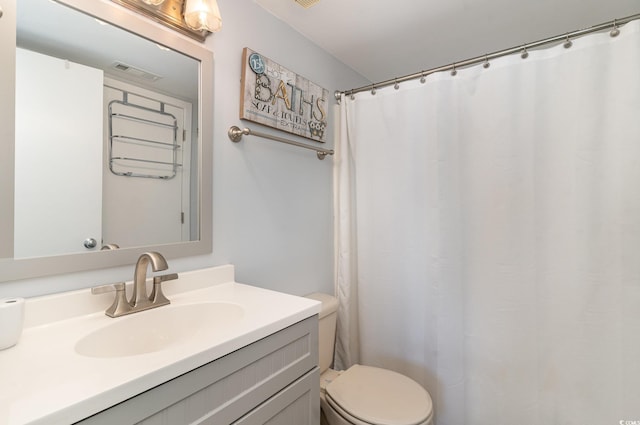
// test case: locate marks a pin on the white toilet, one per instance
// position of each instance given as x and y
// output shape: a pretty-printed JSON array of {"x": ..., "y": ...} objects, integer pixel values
[{"x": 364, "y": 395}]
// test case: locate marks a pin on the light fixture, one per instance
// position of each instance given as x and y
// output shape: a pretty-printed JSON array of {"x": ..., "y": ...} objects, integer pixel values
[
  {"x": 203, "y": 15},
  {"x": 194, "y": 18}
]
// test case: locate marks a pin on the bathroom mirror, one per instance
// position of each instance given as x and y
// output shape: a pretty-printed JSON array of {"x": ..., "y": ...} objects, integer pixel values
[{"x": 109, "y": 142}]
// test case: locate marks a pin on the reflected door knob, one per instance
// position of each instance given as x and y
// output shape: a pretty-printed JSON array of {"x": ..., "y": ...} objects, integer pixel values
[{"x": 90, "y": 243}]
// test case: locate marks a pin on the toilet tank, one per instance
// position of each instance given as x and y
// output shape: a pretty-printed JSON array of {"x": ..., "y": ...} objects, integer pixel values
[{"x": 327, "y": 328}]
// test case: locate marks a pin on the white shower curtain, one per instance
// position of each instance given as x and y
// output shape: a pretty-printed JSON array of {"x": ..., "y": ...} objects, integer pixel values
[{"x": 488, "y": 235}]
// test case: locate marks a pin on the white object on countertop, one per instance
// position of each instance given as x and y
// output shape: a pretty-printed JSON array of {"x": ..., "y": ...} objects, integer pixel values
[{"x": 11, "y": 320}]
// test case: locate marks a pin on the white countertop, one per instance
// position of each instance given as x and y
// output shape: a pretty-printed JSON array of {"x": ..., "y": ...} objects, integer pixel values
[{"x": 44, "y": 381}]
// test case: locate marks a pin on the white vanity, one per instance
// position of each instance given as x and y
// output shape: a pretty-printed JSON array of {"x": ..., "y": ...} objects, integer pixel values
[{"x": 220, "y": 353}]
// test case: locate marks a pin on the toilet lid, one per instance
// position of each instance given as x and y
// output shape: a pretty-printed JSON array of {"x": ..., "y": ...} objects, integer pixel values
[{"x": 380, "y": 397}]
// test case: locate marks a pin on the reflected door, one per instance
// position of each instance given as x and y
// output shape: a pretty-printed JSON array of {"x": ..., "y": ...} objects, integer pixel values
[{"x": 58, "y": 176}]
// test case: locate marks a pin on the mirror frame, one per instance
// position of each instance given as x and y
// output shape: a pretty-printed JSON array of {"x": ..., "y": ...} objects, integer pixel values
[{"x": 16, "y": 269}]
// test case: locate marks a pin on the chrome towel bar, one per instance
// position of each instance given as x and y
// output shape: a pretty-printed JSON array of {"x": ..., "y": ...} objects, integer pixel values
[{"x": 235, "y": 135}]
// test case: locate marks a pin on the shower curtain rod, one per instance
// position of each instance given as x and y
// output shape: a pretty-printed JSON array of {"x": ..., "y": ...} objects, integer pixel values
[{"x": 485, "y": 58}]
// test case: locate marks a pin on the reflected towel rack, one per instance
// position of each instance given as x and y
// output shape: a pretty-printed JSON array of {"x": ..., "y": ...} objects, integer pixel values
[
  {"x": 133, "y": 156},
  {"x": 235, "y": 135}
]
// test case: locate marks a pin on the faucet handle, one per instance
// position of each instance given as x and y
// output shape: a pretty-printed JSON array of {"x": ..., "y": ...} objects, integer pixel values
[
  {"x": 103, "y": 289},
  {"x": 120, "y": 305},
  {"x": 157, "y": 298},
  {"x": 165, "y": 277}
]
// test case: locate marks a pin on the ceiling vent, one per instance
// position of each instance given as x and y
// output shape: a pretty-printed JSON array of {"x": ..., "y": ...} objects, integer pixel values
[
  {"x": 135, "y": 72},
  {"x": 307, "y": 3}
]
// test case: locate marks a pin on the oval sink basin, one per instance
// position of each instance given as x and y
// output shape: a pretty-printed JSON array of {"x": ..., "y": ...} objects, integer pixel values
[{"x": 156, "y": 329}]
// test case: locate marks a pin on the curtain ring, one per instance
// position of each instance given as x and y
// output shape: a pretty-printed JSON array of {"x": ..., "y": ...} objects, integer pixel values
[
  {"x": 373, "y": 89},
  {"x": 567, "y": 43},
  {"x": 454, "y": 71},
  {"x": 422, "y": 78},
  {"x": 615, "y": 31},
  {"x": 396, "y": 85},
  {"x": 524, "y": 53},
  {"x": 486, "y": 63}
]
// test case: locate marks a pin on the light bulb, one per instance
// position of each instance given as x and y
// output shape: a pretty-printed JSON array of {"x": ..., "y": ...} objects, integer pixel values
[
  {"x": 153, "y": 2},
  {"x": 203, "y": 15}
]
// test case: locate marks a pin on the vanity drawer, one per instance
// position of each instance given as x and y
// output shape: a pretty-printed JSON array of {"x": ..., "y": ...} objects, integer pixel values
[{"x": 228, "y": 388}]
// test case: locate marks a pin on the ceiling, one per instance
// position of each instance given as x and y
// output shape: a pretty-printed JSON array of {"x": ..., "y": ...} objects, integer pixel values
[{"x": 382, "y": 40}]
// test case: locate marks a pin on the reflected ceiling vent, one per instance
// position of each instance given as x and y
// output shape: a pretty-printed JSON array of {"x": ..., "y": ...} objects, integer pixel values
[
  {"x": 135, "y": 72},
  {"x": 307, "y": 3}
]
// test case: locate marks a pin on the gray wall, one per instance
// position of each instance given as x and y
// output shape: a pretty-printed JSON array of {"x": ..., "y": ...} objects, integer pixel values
[{"x": 272, "y": 212}]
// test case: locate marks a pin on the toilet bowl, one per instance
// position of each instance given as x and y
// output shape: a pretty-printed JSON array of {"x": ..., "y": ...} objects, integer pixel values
[{"x": 364, "y": 395}]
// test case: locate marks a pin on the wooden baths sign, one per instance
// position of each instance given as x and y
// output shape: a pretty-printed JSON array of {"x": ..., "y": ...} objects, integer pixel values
[{"x": 276, "y": 97}]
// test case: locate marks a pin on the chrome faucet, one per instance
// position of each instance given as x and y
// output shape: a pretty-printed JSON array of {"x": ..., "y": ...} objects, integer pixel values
[{"x": 139, "y": 300}]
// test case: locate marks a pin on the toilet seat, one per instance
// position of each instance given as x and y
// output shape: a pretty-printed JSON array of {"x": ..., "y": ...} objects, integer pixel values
[{"x": 366, "y": 395}]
